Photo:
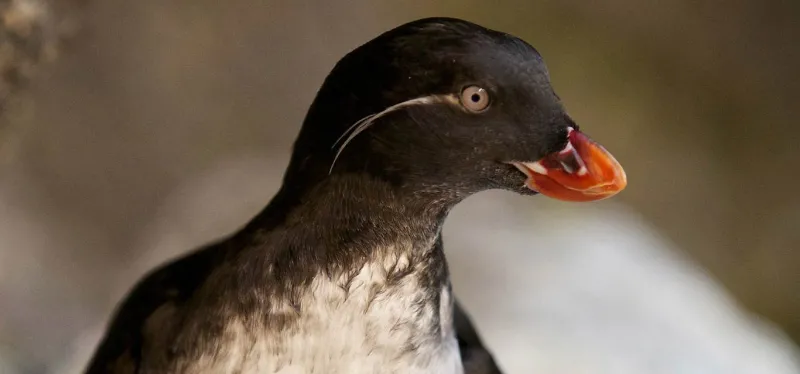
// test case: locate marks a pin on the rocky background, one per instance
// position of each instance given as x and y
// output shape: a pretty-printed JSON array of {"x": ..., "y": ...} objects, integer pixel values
[{"x": 132, "y": 131}]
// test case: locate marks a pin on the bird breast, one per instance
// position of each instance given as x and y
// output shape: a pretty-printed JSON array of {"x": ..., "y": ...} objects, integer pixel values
[{"x": 375, "y": 319}]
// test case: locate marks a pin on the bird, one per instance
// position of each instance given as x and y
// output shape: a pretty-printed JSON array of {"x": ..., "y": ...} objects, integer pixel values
[{"x": 343, "y": 271}]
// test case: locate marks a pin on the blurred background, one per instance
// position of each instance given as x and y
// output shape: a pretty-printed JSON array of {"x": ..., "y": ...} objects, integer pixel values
[{"x": 134, "y": 131}]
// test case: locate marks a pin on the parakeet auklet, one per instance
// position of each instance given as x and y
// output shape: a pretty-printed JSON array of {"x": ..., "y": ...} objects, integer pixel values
[{"x": 343, "y": 271}]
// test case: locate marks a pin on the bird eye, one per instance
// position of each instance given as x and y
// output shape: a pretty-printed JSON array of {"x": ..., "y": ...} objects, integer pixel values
[{"x": 475, "y": 99}]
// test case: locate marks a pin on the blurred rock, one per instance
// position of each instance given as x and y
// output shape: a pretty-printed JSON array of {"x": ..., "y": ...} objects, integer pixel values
[
  {"x": 561, "y": 288},
  {"x": 32, "y": 33}
]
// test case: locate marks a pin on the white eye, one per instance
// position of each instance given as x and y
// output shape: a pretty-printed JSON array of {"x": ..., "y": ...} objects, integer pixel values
[{"x": 475, "y": 99}]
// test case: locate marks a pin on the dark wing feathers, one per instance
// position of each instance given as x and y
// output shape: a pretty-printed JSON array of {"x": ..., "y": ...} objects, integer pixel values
[
  {"x": 120, "y": 349},
  {"x": 474, "y": 355}
]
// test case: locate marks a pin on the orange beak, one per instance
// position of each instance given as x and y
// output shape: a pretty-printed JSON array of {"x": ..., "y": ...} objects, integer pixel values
[{"x": 582, "y": 171}]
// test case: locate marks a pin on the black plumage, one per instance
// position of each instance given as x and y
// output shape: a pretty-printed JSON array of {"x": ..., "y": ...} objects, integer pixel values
[{"x": 382, "y": 203}]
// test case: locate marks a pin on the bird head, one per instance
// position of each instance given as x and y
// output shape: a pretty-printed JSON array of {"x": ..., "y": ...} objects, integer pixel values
[{"x": 445, "y": 105}]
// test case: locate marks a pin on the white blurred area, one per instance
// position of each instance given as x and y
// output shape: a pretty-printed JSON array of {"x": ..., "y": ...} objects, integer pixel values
[
  {"x": 592, "y": 288},
  {"x": 553, "y": 287}
]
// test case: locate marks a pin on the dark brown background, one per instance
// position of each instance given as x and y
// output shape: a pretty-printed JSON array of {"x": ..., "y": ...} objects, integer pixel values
[{"x": 697, "y": 99}]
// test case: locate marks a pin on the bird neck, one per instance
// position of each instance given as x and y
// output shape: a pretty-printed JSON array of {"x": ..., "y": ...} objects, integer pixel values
[
  {"x": 354, "y": 252},
  {"x": 347, "y": 220}
]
